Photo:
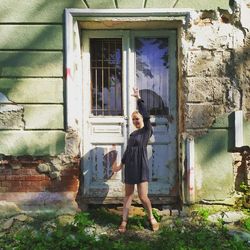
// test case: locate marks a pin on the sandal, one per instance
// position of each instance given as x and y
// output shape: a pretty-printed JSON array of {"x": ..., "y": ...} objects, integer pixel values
[
  {"x": 154, "y": 224},
  {"x": 122, "y": 227}
]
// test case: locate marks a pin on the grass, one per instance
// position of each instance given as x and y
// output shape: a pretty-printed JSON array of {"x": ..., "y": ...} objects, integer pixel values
[{"x": 178, "y": 235}]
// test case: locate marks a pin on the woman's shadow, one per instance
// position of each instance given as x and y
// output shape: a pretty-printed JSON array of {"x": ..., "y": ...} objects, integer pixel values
[
  {"x": 99, "y": 173},
  {"x": 109, "y": 160}
]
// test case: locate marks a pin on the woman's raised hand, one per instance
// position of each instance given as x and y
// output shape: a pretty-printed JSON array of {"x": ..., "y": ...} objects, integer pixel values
[{"x": 136, "y": 93}]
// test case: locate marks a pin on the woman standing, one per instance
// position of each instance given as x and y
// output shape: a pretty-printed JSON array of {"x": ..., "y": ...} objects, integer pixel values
[{"x": 136, "y": 164}]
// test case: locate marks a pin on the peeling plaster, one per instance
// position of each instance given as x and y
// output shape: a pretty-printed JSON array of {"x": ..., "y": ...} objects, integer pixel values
[{"x": 11, "y": 114}]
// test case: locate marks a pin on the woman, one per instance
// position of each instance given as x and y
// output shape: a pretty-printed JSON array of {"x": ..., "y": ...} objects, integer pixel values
[{"x": 136, "y": 164}]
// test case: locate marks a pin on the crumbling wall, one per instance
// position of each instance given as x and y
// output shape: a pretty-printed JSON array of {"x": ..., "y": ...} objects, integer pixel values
[
  {"x": 211, "y": 85},
  {"x": 11, "y": 114},
  {"x": 42, "y": 182},
  {"x": 216, "y": 83}
]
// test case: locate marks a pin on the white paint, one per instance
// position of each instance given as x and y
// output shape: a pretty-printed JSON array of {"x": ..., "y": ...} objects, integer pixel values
[
  {"x": 161, "y": 12},
  {"x": 238, "y": 127},
  {"x": 190, "y": 170},
  {"x": 244, "y": 14},
  {"x": 4, "y": 99}
]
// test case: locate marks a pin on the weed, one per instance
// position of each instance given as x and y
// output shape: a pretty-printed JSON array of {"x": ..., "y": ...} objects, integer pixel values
[
  {"x": 137, "y": 222},
  {"x": 103, "y": 217},
  {"x": 81, "y": 220},
  {"x": 204, "y": 213},
  {"x": 246, "y": 224},
  {"x": 156, "y": 215},
  {"x": 245, "y": 200},
  {"x": 77, "y": 236}
]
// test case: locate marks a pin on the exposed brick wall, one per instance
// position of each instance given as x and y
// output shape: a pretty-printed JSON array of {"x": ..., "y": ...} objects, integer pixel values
[{"x": 27, "y": 179}]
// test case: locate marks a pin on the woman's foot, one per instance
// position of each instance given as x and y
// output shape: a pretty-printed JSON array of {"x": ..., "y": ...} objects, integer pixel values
[
  {"x": 154, "y": 224},
  {"x": 122, "y": 227}
]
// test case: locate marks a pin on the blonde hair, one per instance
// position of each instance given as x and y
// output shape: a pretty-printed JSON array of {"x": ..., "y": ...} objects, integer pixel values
[{"x": 136, "y": 112}]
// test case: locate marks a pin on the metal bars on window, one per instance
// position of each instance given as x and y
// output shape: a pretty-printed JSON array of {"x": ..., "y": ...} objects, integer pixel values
[{"x": 106, "y": 76}]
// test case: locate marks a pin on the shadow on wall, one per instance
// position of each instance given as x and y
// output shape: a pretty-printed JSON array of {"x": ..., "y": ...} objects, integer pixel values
[
  {"x": 154, "y": 103},
  {"x": 240, "y": 164},
  {"x": 96, "y": 176}
]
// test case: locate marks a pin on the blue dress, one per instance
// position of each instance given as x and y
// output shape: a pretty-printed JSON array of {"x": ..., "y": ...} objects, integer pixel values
[{"x": 135, "y": 156}]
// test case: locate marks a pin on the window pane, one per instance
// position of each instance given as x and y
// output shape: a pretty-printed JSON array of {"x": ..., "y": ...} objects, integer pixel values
[
  {"x": 106, "y": 76},
  {"x": 152, "y": 73}
]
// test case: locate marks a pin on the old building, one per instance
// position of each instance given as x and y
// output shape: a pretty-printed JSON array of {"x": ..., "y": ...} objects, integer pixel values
[{"x": 67, "y": 71}]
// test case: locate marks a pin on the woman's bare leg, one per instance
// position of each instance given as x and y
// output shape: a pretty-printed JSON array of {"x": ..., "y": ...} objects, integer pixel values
[
  {"x": 129, "y": 191},
  {"x": 143, "y": 195}
]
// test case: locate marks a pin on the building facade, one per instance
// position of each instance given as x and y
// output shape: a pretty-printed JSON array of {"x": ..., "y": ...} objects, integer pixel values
[{"x": 67, "y": 71}]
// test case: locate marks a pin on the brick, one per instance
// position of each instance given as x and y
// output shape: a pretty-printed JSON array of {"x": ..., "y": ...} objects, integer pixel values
[
  {"x": 66, "y": 185},
  {"x": 3, "y": 189},
  {"x": 5, "y": 171},
  {"x": 70, "y": 172},
  {"x": 36, "y": 178},
  {"x": 2, "y": 177},
  {"x": 25, "y": 171},
  {"x": 6, "y": 183},
  {"x": 14, "y": 177},
  {"x": 27, "y": 186}
]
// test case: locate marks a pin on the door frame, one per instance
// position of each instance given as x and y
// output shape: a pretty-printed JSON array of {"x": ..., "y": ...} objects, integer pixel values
[
  {"x": 76, "y": 19},
  {"x": 128, "y": 82}
]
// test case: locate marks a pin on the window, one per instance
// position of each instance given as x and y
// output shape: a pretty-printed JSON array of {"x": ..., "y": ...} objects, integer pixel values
[
  {"x": 106, "y": 76},
  {"x": 152, "y": 71}
]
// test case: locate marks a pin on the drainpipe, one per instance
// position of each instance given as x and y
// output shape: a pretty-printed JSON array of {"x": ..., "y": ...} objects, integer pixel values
[
  {"x": 238, "y": 128},
  {"x": 190, "y": 170}
]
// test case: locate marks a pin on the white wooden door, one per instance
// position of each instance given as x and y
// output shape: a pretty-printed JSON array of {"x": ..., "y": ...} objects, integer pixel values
[
  {"x": 104, "y": 113},
  {"x": 113, "y": 63}
]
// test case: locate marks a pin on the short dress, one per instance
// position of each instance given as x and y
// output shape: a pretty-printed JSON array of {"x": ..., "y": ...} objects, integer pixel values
[{"x": 135, "y": 156}]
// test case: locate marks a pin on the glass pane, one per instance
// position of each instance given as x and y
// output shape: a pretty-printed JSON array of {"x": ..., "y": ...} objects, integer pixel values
[
  {"x": 152, "y": 73},
  {"x": 106, "y": 76}
]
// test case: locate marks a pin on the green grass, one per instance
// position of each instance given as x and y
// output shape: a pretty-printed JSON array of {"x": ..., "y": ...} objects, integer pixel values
[{"x": 76, "y": 236}]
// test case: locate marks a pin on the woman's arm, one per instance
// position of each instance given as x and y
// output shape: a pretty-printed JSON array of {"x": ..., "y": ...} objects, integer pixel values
[
  {"x": 116, "y": 167},
  {"x": 143, "y": 111},
  {"x": 140, "y": 103}
]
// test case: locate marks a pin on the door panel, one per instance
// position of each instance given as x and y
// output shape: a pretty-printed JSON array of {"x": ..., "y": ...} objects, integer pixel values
[
  {"x": 155, "y": 66},
  {"x": 105, "y": 120}
]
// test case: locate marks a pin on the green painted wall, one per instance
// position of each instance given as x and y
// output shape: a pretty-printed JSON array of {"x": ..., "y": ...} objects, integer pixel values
[
  {"x": 213, "y": 166},
  {"x": 123, "y": 4},
  {"x": 31, "y": 36},
  {"x": 36, "y": 11},
  {"x": 31, "y": 65},
  {"x": 43, "y": 116},
  {"x": 31, "y": 73},
  {"x": 35, "y": 143},
  {"x": 21, "y": 90},
  {"x": 246, "y": 129},
  {"x": 202, "y": 5}
]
